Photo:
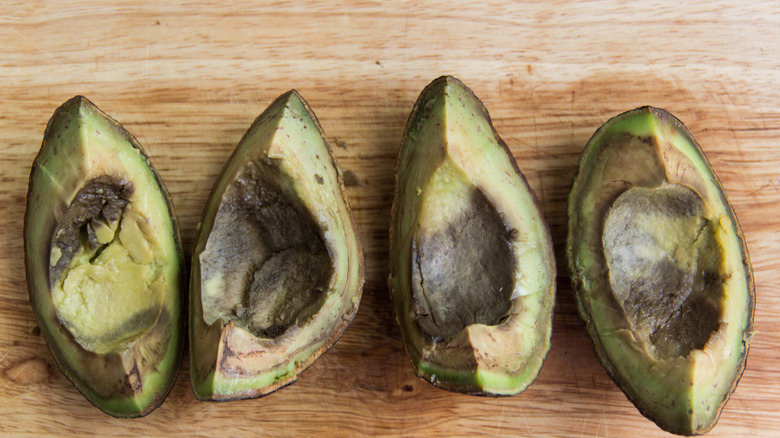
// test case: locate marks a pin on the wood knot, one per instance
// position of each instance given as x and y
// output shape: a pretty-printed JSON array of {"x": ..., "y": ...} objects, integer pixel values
[{"x": 29, "y": 371}]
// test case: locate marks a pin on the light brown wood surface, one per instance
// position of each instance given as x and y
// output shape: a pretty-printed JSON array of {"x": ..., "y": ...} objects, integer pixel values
[{"x": 188, "y": 79}]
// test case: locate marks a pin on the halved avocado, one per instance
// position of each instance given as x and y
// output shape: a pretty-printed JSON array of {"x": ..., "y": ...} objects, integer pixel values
[
  {"x": 277, "y": 269},
  {"x": 104, "y": 261},
  {"x": 472, "y": 272},
  {"x": 660, "y": 270}
]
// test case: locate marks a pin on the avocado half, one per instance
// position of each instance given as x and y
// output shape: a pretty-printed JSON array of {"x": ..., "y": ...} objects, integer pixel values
[
  {"x": 104, "y": 261},
  {"x": 472, "y": 272},
  {"x": 277, "y": 269},
  {"x": 660, "y": 269}
]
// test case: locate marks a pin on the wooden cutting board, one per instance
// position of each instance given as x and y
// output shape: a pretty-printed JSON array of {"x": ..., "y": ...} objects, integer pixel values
[{"x": 188, "y": 79}]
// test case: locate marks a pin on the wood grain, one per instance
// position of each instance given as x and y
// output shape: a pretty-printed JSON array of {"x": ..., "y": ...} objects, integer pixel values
[{"x": 188, "y": 79}]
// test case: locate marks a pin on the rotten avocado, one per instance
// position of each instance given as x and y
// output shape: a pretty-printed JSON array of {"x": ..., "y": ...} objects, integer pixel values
[
  {"x": 472, "y": 273},
  {"x": 104, "y": 261},
  {"x": 660, "y": 269},
  {"x": 277, "y": 269}
]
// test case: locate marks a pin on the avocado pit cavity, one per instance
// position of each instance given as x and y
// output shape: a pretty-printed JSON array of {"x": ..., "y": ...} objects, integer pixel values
[
  {"x": 90, "y": 221},
  {"x": 462, "y": 272},
  {"x": 664, "y": 266},
  {"x": 104, "y": 271},
  {"x": 265, "y": 265}
]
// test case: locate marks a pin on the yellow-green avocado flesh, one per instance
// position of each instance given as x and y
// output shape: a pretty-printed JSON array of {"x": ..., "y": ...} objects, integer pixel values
[
  {"x": 660, "y": 269},
  {"x": 472, "y": 273},
  {"x": 104, "y": 262},
  {"x": 277, "y": 269}
]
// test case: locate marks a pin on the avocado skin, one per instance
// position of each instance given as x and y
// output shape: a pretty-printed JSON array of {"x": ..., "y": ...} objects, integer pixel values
[
  {"x": 61, "y": 344},
  {"x": 667, "y": 123}
]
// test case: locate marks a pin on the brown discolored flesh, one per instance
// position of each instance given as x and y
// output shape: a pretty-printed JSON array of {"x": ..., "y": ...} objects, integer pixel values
[
  {"x": 265, "y": 259},
  {"x": 463, "y": 273},
  {"x": 663, "y": 263},
  {"x": 97, "y": 205}
]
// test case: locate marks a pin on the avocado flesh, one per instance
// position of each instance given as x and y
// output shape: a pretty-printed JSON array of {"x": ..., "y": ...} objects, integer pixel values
[
  {"x": 472, "y": 274},
  {"x": 278, "y": 266},
  {"x": 660, "y": 270},
  {"x": 104, "y": 262}
]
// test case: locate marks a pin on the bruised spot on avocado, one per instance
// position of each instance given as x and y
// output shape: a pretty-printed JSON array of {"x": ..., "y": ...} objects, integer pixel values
[
  {"x": 226, "y": 364},
  {"x": 663, "y": 263},
  {"x": 265, "y": 265},
  {"x": 463, "y": 273},
  {"x": 134, "y": 379}
]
